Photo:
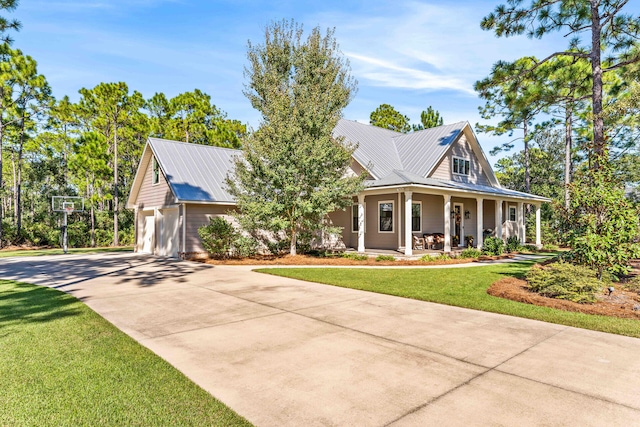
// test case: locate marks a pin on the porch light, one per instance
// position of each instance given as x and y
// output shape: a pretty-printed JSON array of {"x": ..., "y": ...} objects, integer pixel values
[
  {"x": 467, "y": 214},
  {"x": 453, "y": 214}
]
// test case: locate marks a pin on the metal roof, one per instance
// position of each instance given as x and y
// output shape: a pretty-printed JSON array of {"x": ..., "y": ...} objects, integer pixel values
[{"x": 195, "y": 173}]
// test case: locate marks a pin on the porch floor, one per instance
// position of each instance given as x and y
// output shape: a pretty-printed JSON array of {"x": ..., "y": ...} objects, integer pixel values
[{"x": 400, "y": 255}]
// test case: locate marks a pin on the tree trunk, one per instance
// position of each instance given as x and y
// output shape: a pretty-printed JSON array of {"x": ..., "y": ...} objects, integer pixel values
[
  {"x": 115, "y": 181},
  {"x": 19, "y": 181},
  {"x": 568, "y": 142},
  {"x": 1, "y": 182},
  {"x": 93, "y": 227},
  {"x": 527, "y": 177},
  {"x": 292, "y": 248},
  {"x": 599, "y": 143}
]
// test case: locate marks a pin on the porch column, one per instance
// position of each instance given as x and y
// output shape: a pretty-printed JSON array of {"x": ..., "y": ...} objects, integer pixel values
[
  {"x": 498, "y": 221},
  {"x": 538, "y": 230},
  {"x": 398, "y": 219},
  {"x": 447, "y": 223},
  {"x": 480, "y": 221},
  {"x": 408, "y": 235},
  {"x": 520, "y": 219},
  {"x": 361, "y": 223}
]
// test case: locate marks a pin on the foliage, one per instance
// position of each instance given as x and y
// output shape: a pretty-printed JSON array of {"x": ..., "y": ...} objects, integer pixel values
[
  {"x": 218, "y": 236},
  {"x": 293, "y": 172},
  {"x": 468, "y": 240},
  {"x": 562, "y": 280},
  {"x": 385, "y": 258},
  {"x": 632, "y": 284},
  {"x": 439, "y": 257},
  {"x": 385, "y": 116},
  {"x": 6, "y": 24},
  {"x": 493, "y": 246},
  {"x": 548, "y": 247},
  {"x": 428, "y": 119},
  {"x": 355, "y": 257},
  {"x": 471, "y": 253},
  {"x": 602, "y": 224},
  {"x": 513, "y": 244}
]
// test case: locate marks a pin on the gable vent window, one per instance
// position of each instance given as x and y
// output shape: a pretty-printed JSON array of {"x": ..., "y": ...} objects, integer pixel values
[
  {"x": 156, "y": 172},
  {"x": 460, "y": 166}
]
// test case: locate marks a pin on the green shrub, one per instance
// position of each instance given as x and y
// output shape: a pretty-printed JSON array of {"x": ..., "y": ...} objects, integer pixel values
[
  {"x": 429, "y": 258},
  {"x": 493, "y": 246},
  {"x": 550, "y": 247},
  {"x": 633, "y": 284},
  {"x": 218, "y": 236},
  {"x": 513, "y": 244},
  {"x": 244, "y": 247},
  {"x": 385, "y": 258},
  {"x": 530, "y": 248},
  {"x": 355, "y": 257},
  {"x": 471, "y": 253},
  {"x": 566, "y": 281}
]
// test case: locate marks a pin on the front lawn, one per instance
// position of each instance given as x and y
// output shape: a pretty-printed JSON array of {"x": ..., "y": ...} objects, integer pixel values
[
  {"x": 462, "y": 287},
  {"x": 61, "y": 364},
  {"x": 58, "y": 251}
]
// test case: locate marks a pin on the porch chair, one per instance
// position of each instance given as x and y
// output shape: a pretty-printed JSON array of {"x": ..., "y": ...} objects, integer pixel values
[
  {"x": 418, "y": 243},
  {"x": 429, "y": 241}
]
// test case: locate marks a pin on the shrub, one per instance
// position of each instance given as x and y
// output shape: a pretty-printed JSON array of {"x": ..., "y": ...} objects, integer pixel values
[
  {"x": 218, "y": 236},
  {"x": 549, "y": 247},
  {"x": 355, "y": 257},
  {"x": 468, "y": 241},
  {"x": 633, "y": 284},
  {"x": 530, "y": 248},
  {"x": 471, "y": 253},
  {"x": 493, "y": 246},
  {"x": 429, "y": 258},
  {"x": 566, "y": 281},
  {"x": 513, "y": 244},
  {"x": 244, "y": 247},
  {"x": 385, "y": 258}
]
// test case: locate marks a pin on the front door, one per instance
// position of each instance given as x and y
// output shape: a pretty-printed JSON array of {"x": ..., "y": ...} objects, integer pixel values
[{"x": 457, "y": 237}]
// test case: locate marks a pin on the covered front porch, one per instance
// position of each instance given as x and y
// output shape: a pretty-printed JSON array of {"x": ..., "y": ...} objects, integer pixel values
[{"x": 397, "y": 219}]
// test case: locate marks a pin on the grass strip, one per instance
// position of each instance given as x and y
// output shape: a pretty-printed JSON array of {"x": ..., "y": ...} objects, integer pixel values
[
  {"x": 461, "y": 287},
  {"x": 62, "y": 364},
  {"x": 60, "y": 251}
]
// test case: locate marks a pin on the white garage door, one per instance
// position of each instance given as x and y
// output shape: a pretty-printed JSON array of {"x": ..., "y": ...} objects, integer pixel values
[
  {"x": 169, "y": 240},
  {"x": 148, "y": 228}
]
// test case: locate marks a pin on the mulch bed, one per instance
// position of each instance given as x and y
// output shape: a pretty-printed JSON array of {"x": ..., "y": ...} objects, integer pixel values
[{"x": 619, "y": 304}]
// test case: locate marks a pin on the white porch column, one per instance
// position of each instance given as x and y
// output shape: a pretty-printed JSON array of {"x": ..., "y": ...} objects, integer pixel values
[
  {"x": 498, "y": 225},
  {"x": 361, "y": 223},
  {"x": 408, "y": 236},
  {"x": 397, "y": 218},
  {"x": 447, "y": 223},
  {"x": 538, "y": 230},
  {"x": 520, "y": 219},
  {"x": 479, "y": 221}
]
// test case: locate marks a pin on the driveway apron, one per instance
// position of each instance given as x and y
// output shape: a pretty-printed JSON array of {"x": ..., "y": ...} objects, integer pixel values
[{"x": 284, "y": 352}]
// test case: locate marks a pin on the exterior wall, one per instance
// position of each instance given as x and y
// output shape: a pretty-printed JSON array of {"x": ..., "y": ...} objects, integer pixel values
[
  {"x": 373, "y": 238},
  {"x": 197, "y": 216},
  {"x": 432, "y": 209},
  {"x": 343, "y": 219},
  {"x": 489, "y": 214},
  {"x": 460, "y": 148},
  {"x": 510, "y": 228},
  {"x": 153, "y": 195}
]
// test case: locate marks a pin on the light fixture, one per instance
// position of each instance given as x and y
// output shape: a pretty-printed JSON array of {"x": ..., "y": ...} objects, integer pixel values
[{"x": 467, "y": 214}]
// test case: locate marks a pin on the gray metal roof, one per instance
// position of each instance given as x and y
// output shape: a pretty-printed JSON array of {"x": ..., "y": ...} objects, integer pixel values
[
  {"x": 376, "y": 150},
  {"x": 195, "y": 173},
  {"x": 401, "y": 177},
  {"x": 420, "y": 151}
]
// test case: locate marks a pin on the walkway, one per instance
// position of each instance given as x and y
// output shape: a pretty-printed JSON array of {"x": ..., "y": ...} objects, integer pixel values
[{"x": 282, "y": 352}]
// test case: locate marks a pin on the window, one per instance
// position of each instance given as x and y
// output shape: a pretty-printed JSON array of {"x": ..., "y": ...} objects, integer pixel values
[
  {"x": 512, "y": 213},
  {"x": 461, "y": 166},
  {"x": 156, "y": 172},
  {"x": 385, "y": 215},
  {"x": 355, "y": 225},
  {"x": 416, "y": 217}
]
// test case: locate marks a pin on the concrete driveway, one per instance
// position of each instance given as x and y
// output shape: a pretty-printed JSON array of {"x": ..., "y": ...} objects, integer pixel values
[{"x": 282, "y": 352}]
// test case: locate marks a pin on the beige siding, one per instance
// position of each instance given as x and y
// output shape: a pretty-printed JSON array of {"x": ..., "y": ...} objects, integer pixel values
[
  {"x": 153, "y": 195},
  {"x": 432, "y": 213},
  {"x": 197, "y": 216},
  {"x": 343, "y": 219},
  {"x": 461, "y": 148},
  {"x": 373, "y": 238},
  {"x": 489, "y": 214}
]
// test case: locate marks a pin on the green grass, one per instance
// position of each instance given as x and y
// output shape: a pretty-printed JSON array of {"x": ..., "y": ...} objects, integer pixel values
[
  {"x": 61, "y": 364},
  {"x": 466, "y": 287},
  {"x": 59, "y": 251}
]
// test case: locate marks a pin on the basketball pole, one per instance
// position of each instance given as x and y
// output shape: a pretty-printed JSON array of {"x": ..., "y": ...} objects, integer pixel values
[{"x": 64, "y": 234}]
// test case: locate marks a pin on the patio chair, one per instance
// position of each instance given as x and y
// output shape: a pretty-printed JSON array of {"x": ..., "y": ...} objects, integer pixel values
[
  {"x": 418, "y": 243},
  {"x": 429, "y": 241}
]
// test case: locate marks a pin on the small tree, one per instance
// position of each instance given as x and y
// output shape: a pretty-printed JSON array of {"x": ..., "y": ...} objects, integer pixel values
[
  {"x": 387, "y": 117},
  {"x": 293, "y": 172},
  {"x": 218, "y": 236},
  {"x": 602, "y": 224},
  {"x": 429, "y": 118}
]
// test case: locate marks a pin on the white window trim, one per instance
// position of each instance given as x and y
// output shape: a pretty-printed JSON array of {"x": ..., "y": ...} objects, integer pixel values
[
  {"x": 417, "y": 202},
  {"x": 464, "y": 160},
  {"x": 155, "y": 165},
  {"x": 355, "y": 205},
  {"x": 393, "y": 212},
  {"x": 515, "y": 213}
]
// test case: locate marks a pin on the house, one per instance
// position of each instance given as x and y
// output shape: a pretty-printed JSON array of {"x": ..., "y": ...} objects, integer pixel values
[{"x": 436, "y": 180}]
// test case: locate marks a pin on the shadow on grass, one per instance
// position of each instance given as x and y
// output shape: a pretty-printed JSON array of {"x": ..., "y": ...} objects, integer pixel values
[{"x": 21, "y": 302}]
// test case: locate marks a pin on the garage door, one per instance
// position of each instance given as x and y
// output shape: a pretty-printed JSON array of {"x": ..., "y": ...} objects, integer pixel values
[
  {"x": 169, "y": 241},
  {"x": 148, "y": 228}
]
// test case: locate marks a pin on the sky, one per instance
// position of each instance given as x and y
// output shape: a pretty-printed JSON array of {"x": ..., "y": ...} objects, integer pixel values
[{"x": 410, "y": 54}]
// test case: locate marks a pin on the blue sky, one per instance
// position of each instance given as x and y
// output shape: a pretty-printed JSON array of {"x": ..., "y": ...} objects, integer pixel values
[{"x": 410, "y": 54}]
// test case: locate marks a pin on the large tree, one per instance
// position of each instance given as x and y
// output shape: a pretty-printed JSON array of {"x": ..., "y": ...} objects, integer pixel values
[
  {"x": 429, "y": 118},
  {"x": 387, "y": 117},
  {"x": 293, "y": 172},
  {"x": 608, "y": 31}
]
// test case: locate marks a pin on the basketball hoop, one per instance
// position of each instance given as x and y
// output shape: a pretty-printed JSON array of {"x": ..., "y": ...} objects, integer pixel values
[{"x": 68, "y": 209}]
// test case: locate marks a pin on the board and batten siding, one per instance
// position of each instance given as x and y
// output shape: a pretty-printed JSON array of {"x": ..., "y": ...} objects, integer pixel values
[
  {"x": 153, "y": 195},
  {"x": 197, "y": 216},
  {"x": 462, "y": 149}
]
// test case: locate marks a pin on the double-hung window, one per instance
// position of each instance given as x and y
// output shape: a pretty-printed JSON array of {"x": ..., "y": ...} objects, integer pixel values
[
  {"x": 385, "y": 216},
  {"x": 512, "y": 213},
  {"x": 416, "y": 217},
  {"x": 461, "y": 166},
  {"x": 355, "y": 224}
]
